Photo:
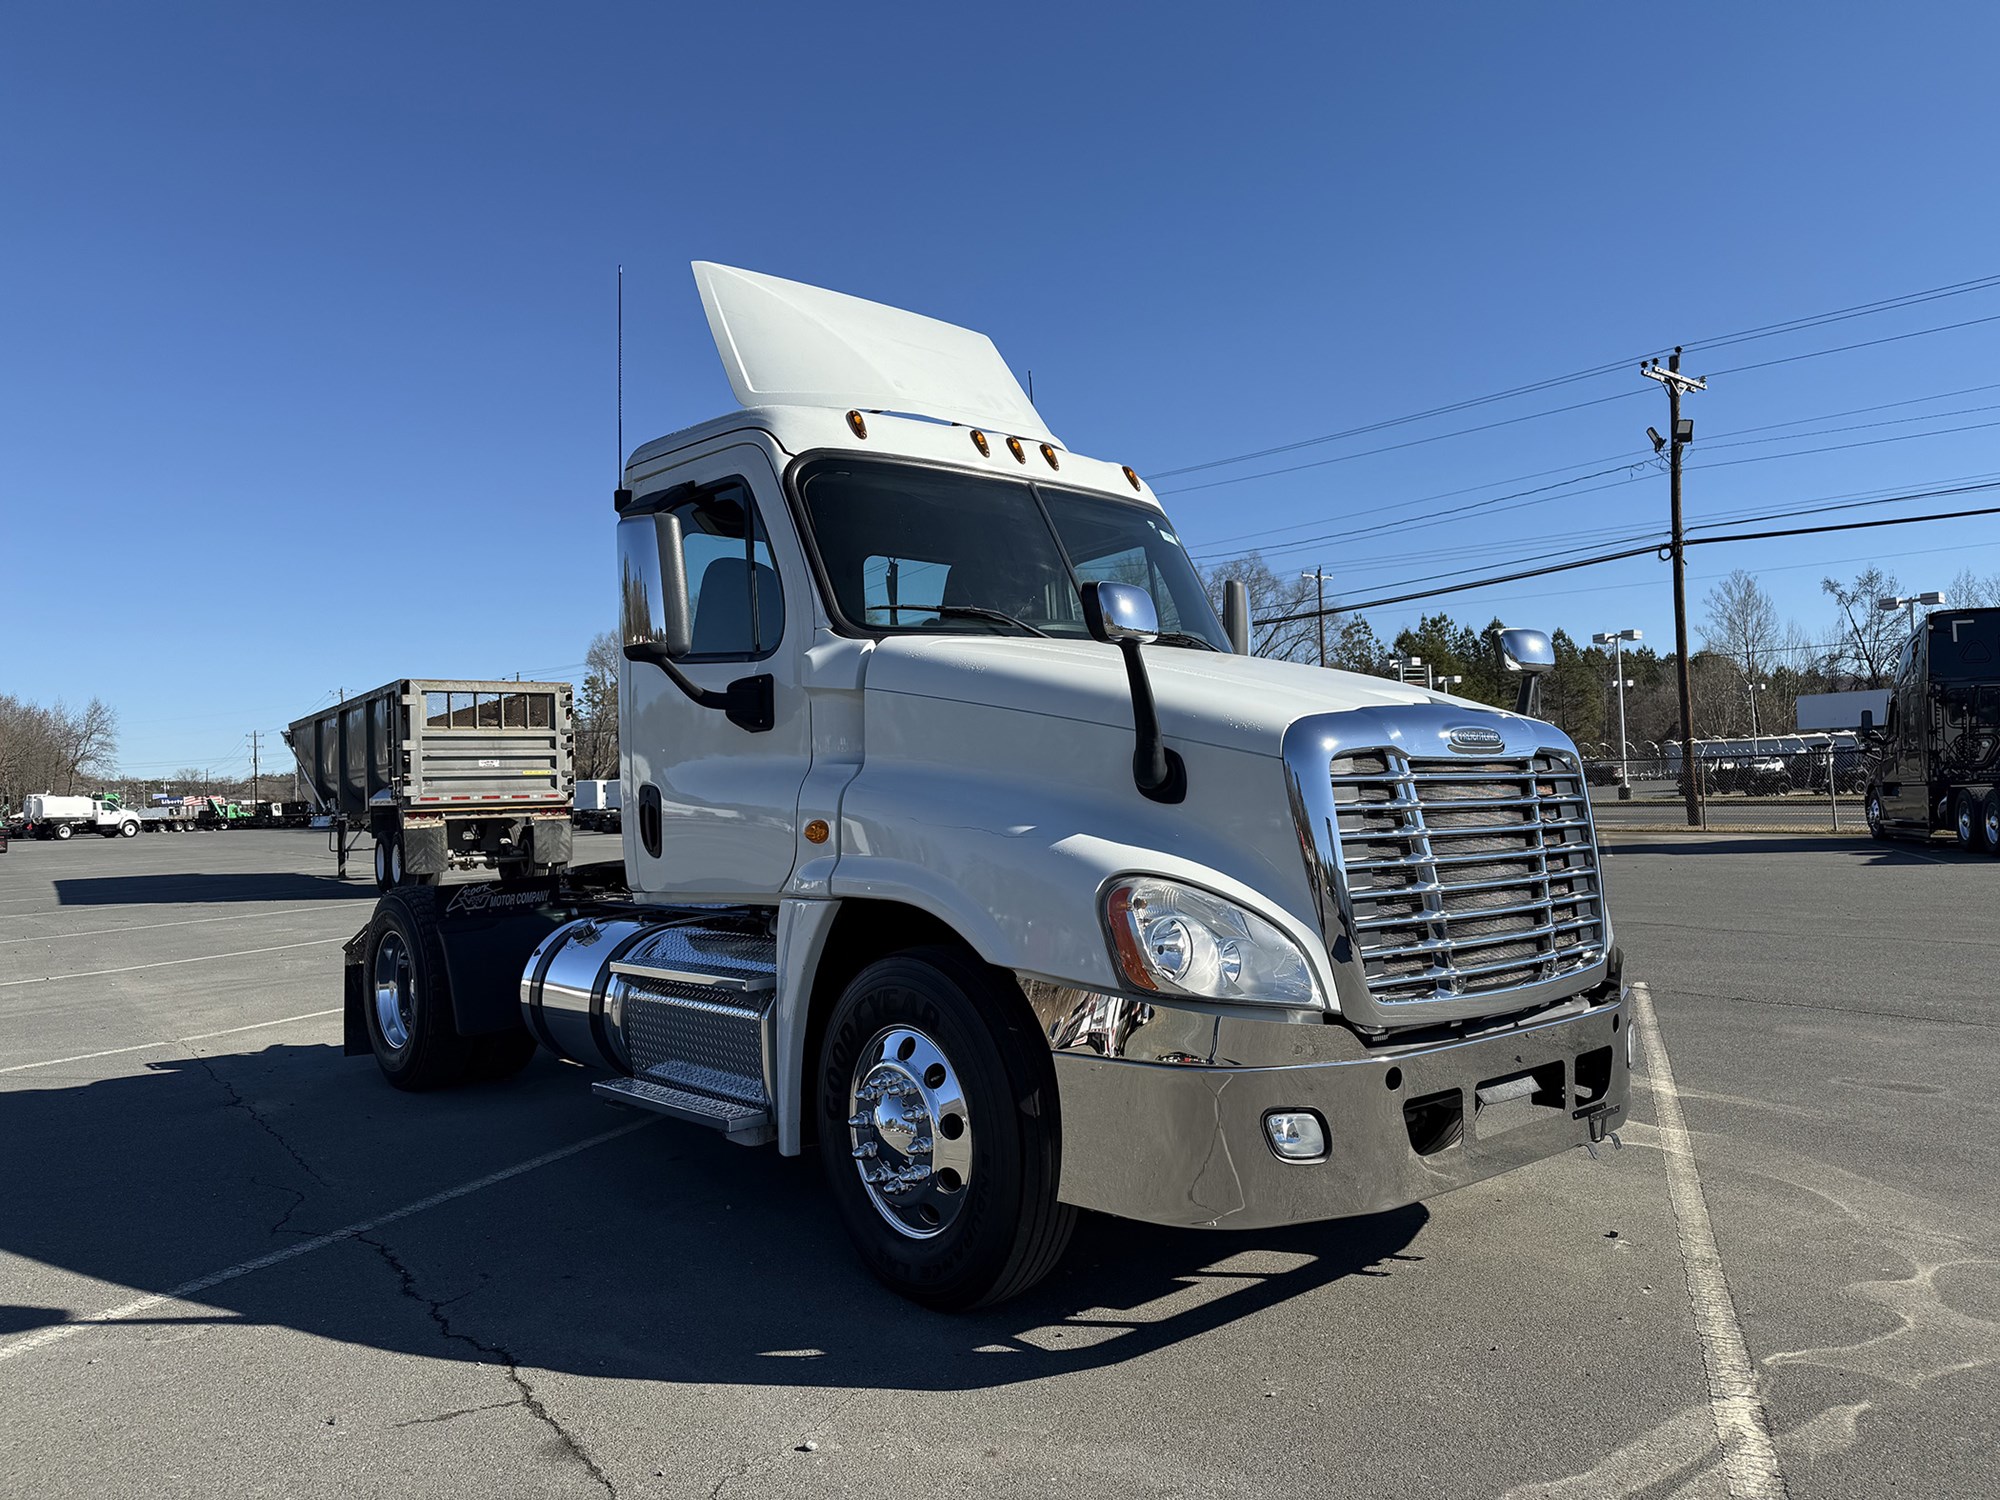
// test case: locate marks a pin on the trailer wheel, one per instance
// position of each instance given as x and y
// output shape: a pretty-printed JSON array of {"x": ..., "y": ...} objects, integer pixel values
[
  {"x": 407, "y": 1003},
  {"x": 63, "y": 830},
  {"x": 382, "y": 880},
  {"x": 1969, "y": 823},
  {"x": 938, "y": 1131}
]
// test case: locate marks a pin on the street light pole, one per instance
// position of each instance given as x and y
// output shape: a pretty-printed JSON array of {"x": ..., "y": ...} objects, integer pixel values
[{"x": 1616, "y": 639}]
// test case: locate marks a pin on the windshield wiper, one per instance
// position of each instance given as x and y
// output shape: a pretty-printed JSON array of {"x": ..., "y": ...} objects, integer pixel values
[
  {"x": 1184, "y": 638},
  {"x": 975, "y": 612}
]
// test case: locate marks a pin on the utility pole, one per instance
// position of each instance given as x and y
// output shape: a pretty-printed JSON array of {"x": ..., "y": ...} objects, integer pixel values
[
  {"x": 1318, "y": 576},
  {"x": 1678, "y": 437},
  {"x": 253, "y": 765}
]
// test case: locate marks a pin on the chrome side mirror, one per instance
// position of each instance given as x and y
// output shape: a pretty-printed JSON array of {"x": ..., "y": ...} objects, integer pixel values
[
  {"x": 1527, "y": 651},
  {"x": 653, "y": 607},
  {"x": 1117, "y": 612}
]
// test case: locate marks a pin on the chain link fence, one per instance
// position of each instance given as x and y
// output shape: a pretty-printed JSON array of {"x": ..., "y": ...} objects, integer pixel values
[{"x": 1811, "y": 783}]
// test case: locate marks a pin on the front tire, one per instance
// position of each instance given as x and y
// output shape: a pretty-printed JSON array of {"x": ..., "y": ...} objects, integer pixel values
[
  {"x": 939, "y": 1131},
  {"x": 128, "y": 830},
  {"x": 407, "y": 996},
  {"x": 1872, "y": 809}
]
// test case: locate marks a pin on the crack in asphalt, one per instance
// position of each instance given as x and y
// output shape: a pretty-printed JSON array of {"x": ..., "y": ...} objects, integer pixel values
[
  {"x": 453, "y": 1416},
  {"x": 237, "y": 1101},
  {"x": 509, "y": 1365},
  {"x": 298, "y": 1202}
]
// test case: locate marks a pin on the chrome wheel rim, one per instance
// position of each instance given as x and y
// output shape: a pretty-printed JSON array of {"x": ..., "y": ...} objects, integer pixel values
[
  {"x": 1993, "y": 824},
  {"x": 1966, "y": 824},
  {"x": 1874, "y": 812},
  {"x": 910, "y": 1132},
  {"x": 392, "y": 992},
  {"x": 396, "y": 863},
  {"x": 381, "y": 864}
]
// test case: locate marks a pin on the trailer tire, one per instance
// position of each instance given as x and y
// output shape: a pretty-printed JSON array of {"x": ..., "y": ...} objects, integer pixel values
[
  {"x": 406, "y": 1002},
  {"x": 64, "y": 831},
  {"x": 1968, "y": 823},
  {"x": 1007, "y": 1230},
  {"x": 382, "y": 881}
]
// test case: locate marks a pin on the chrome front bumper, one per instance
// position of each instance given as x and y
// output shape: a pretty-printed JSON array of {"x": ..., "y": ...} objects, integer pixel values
[{"x": 1163, "y": 1109}]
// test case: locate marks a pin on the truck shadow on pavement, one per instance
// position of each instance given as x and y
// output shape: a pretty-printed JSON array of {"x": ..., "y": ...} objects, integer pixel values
[
  {"x": 208, "y": 889},
  {"x": 665, "y": 1255}
]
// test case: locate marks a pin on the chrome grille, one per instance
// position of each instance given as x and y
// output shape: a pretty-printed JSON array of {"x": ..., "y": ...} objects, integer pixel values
[{"x": 1466, "y": 877}]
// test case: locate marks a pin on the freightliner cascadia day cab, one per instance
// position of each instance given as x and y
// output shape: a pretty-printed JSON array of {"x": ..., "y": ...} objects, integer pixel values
[
  {"x": 960, "y": 849},
  {"x": 1936, "y": 757}
]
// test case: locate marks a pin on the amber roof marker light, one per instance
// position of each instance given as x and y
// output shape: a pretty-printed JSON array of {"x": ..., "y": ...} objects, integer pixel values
[
  {"x": 1014, "y": 447},
  {"x": 1050, "y": 454},
  {"x": 860, "y": 427},
  {"x": 979, "y": 442},
  {"x": 1130, "y": 477}
]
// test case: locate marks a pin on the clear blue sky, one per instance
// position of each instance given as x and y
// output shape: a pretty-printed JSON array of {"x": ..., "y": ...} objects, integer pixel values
[{"x": 305, "y": 367}]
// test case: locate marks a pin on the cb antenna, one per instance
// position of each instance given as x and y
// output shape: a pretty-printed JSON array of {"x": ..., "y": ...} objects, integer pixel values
[{"x": 620, "y": 496}]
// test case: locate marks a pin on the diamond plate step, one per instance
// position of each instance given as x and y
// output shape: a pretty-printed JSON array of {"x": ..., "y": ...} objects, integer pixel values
[{"x": 745, "y": 1124}]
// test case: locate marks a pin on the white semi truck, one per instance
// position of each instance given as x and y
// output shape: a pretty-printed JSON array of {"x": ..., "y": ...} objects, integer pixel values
[
  {"x": 53, "y": 817},
  {"x": 960, "y": 849}
]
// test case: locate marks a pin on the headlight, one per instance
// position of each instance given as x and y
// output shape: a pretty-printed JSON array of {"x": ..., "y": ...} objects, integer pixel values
[{"x": 1177, "y": 940}]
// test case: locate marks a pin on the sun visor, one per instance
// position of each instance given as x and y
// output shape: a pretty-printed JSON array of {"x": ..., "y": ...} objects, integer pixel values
[{"x": 784, "y": 343}]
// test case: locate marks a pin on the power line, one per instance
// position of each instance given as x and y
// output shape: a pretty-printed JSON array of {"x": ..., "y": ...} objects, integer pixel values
[
  {"x": 1606, "y": 557},
  {"x": 1770, "y": 330}
]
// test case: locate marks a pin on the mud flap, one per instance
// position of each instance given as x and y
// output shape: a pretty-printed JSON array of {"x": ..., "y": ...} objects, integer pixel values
[{"x": 354, "y": 1022}]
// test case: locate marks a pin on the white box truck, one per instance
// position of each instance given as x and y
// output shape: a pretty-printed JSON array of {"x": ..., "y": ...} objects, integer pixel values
[
  {"x": 598, "y": 806},
  {"x": 963, "y": 851}
]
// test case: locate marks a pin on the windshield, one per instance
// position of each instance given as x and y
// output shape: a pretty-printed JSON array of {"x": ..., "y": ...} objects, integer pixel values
[
  {"x": 1965, "y": 646},
  {"x": 912, "y": 549}
]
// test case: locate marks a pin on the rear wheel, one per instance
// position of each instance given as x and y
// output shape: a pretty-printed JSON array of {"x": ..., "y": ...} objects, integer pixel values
[
  {"x": 1969, "y": 823},
  {"x": 382, "y": 881},
  {"x": 938, "y": 1131},
  {"x": 1989, "y": 815},
  {"x": 63, "y": 831},
  {"x": 407, "y": 1000}
]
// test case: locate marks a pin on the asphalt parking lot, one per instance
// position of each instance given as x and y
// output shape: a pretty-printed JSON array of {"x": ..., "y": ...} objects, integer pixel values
[{"x": 232, "y": 1262}]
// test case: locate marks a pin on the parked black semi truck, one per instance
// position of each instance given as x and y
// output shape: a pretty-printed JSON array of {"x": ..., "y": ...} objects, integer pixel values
[{"x": 1936, "y": 764}]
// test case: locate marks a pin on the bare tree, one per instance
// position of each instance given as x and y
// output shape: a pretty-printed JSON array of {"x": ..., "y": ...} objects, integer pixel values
[
  {"x": 1741, "y": 623},
  {"x": 597, "y": 710},
  {"x": 45, "y": 748},
  {"x": 1870, "y": 637},
  {"x": 1970, "y": 591},
  {"x": 88, "y": 740}
]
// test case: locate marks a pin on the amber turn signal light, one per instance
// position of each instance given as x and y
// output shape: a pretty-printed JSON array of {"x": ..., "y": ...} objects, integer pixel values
[
  {"x": 979, "y": 442},
  {"x": 860, "y": 427}
]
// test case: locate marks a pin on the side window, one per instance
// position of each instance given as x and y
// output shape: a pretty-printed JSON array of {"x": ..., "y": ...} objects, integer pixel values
[{"x": 733, "y": 591}]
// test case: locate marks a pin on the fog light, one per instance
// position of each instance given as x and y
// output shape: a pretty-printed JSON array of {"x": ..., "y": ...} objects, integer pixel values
[{"x": 1296, "y": 1135}]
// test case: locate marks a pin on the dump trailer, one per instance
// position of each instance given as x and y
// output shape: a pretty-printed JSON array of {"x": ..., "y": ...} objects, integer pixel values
[
  {"x": 961, "y": 849},
  {"x": 1936, "y": 762},
  {"x": 444, "y": 775}
]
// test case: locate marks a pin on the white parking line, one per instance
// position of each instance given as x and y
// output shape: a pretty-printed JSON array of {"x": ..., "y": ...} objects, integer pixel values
[
  {"x": 189, "y": 1289},
  {"x": 200, "y": 1036},
  {"x": 57, "y": 937},
  {"x": 168, "y": 963},
  {"x": 1749, "y": 1458}
]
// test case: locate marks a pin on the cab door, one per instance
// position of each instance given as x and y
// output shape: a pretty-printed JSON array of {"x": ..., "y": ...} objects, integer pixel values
[
  {"x": 1905, "y": 789},
  {"x": 710, "y": 808}
]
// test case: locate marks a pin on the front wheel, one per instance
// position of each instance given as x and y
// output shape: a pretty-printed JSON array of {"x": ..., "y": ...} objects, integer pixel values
[
  {"x": 939, "y": 1132},
  {"x": 128, "y": 830},
  {"x": 1872, "y": 809}
]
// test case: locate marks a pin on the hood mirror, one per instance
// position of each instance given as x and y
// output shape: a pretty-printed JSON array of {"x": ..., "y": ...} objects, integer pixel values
[
  {"x": 1126, "y": 617},
  {"x": 1118, "y": 612},
  {"x": 1530, "y": 655}
]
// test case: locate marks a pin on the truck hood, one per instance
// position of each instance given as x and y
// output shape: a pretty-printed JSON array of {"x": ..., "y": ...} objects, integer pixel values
[{"x": 1206, "y": 697}]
